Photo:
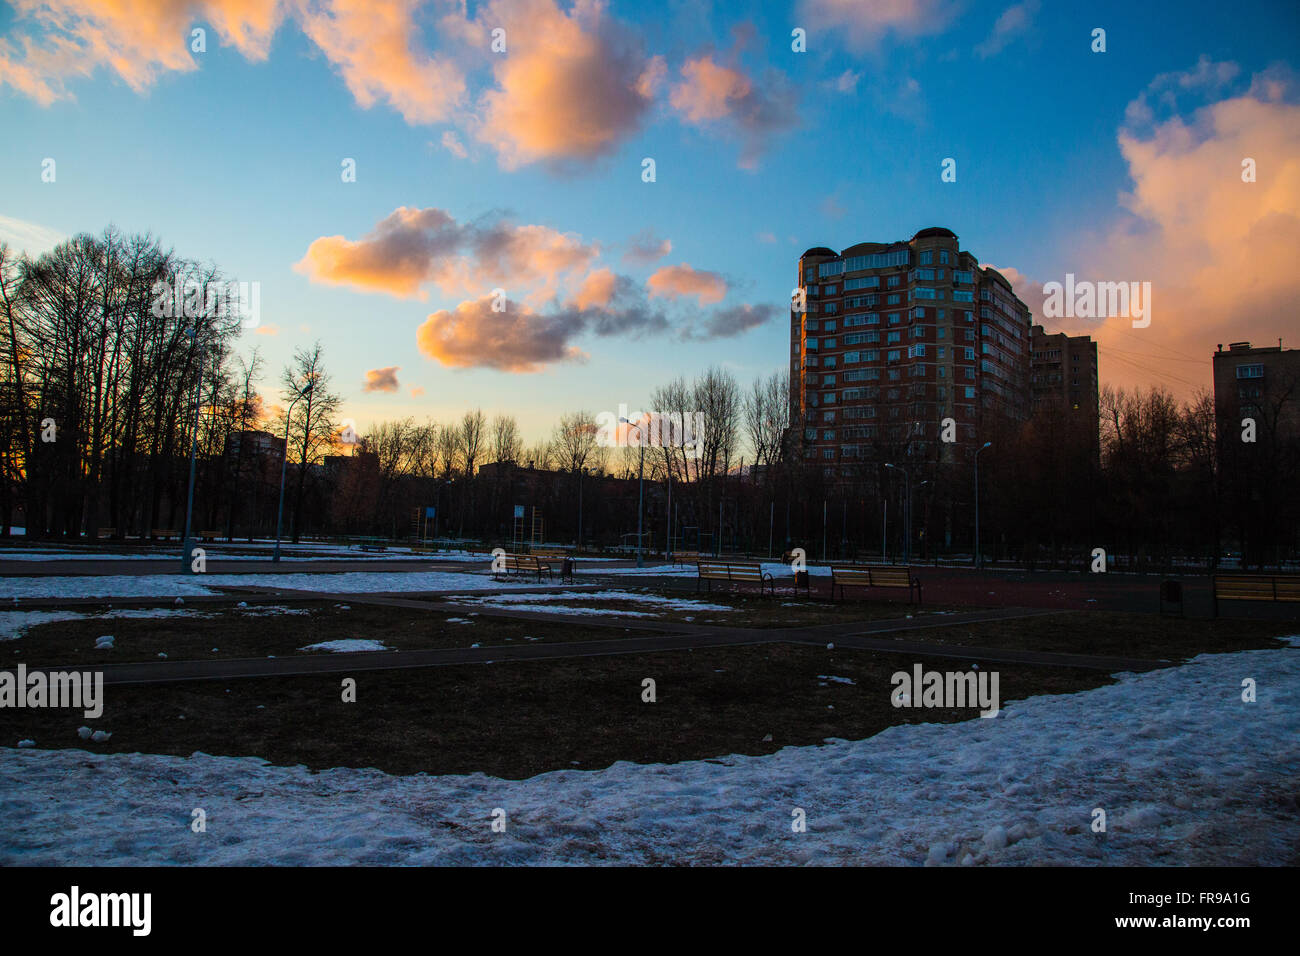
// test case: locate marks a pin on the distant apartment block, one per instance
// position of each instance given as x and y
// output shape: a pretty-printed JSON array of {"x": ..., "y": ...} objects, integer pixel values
[
  {"x": 896, "y": 337},
  {"x": 1063, "y": 371},
  {"x": 255, "y": 444},
  {"x": 1259, "y": 383}
]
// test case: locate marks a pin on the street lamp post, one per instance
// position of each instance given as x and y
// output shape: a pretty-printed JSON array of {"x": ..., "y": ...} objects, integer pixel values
[
  {"x": 187, "y": 547},
  {"x": 909, "y": 504},
  {"x": 907, "y": 512},
  {"x": 978, "y": 562},
  {"x": 640, "y": 495},
  {"x": 284, "y": 463}
]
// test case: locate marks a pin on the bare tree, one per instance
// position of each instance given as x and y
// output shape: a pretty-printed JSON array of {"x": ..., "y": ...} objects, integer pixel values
[
  {"x": 506, "y": 443},
  {"x": 312, "y": 426}
]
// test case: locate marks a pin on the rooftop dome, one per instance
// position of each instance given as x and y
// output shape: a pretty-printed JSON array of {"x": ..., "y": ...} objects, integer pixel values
[
  {"x": 819, "y": 251},
  {"x": 935, "y": 232},
  {"x": 865, "y": 248}
]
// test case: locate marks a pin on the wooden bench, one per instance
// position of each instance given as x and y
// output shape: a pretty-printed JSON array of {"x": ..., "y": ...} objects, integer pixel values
[
  {"x": 556, "y": 555},
  {"x": 683, "y": 558},
  {"x": 735, "y": 573},
  {"x": 373, "y": 547},
  {"x": 106, "y": 532},
  {"x": 209, "y": 535},
  {"x": 1255, "y": 587},
  {"x": 524, "y": 564},
  {"x": 164, "y": 535},
  {"x": 881, "y": 577}
]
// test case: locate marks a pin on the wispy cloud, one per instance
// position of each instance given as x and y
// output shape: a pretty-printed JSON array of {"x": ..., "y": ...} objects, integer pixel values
[{"x": 29, "y": 237}]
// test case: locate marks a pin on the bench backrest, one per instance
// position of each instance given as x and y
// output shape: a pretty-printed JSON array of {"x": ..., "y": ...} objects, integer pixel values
[
  {"x": 891, "y": 577},
  {"x": 549, "y": 553},
  {"x": 729, "y": 571},
  {"x": 1257, "y": 587},
  {"x": 860, "y": 576}
]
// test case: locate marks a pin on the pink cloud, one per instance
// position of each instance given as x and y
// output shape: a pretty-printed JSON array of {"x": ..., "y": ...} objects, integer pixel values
[
  {"x": 572, "y": 86},
  {"x": 681, "y": 280},
  {"x": 382, "y": 379}
]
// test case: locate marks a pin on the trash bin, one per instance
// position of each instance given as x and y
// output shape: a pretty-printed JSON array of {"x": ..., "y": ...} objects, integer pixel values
[
  {"x": 566, "y": 569},
  {"x": 801, "y": 581},
  {"x": 1171, "y": 593}
]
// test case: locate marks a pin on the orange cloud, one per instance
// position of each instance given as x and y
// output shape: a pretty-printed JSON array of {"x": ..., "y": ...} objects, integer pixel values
[
  {"x": 1218, "y": 251},
  {"x": 382, "y": 379},
  {"x": 710, "y": 93},
  {"x": 410, "y": 247},
  {"x": 369, "y": 42},
  {"x": 516, "y": 340},
  {"x": 136, "y": 39},
  {"x": 681, "y": 280},
  {"x": 570, "y": 87},
  {"x": 597, "y": 289},
  {"x": 395, "y": 257}
]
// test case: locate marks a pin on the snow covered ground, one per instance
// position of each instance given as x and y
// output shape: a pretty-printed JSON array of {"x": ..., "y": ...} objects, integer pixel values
[
  {"x": 347, "y": 645},
  {"x": 1186, "y": 772},
  {"x": 219, "y": 552},
  {"x": 774, "y": 568},
  {"x": 173, "y": 585},
  {"x": 574, "y": 603}
]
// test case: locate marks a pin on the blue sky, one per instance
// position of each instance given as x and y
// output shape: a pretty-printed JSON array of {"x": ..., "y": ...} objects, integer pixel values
[{"x": 238, "y": 162}]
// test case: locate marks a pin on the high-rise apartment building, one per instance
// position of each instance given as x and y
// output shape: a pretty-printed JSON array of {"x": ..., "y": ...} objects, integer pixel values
[
  {"x": 1259, "y": 383},
  {"x": 1063, "y": 371},
  {"x": 893, "y": 338}
]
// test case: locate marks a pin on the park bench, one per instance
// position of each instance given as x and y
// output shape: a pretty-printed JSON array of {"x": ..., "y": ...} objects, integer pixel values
[
  {"x": 209, "y": 535},
  {"x": 1255, "y": 587},
  {"x": 875, "y": 578},
  {"x": 735, "y": 573},
  {"x": 517, "y": 564},
  {"x": 164, "y": 534},
  {"x": 106, "y": 532},
  {"x": 684, "y": 558},
  {"x": 555, "y": 555}
]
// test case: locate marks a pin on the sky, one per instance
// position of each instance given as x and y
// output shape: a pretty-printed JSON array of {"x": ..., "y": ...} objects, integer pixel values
[{"x": 560, "y": 206}]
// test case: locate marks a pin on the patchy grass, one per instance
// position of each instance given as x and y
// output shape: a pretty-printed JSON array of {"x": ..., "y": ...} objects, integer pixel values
[
  {"x": 1144, "y": 636},
  {"x": 252, "y": 632},
  {"x": 515, "y": 720},
  {"x": 748, "y": 609}
]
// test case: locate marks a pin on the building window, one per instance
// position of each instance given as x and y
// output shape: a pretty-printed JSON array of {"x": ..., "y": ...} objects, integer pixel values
[
  {"x": 1250, "y": 371},
  {"x": 943, "y": 256}
]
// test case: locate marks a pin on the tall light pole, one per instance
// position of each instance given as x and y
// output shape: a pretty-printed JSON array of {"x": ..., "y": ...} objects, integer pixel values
[
  {"x": 668, "y": 538},
  {"x": 978, "y": 562},
  {"x": 187, "y": 545},
  {"x": 284, "y": 462},
  {"x": 640, "y": 495},
  {"x": 907, "y": 512},
  {"x": 919, "y": 486}
]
